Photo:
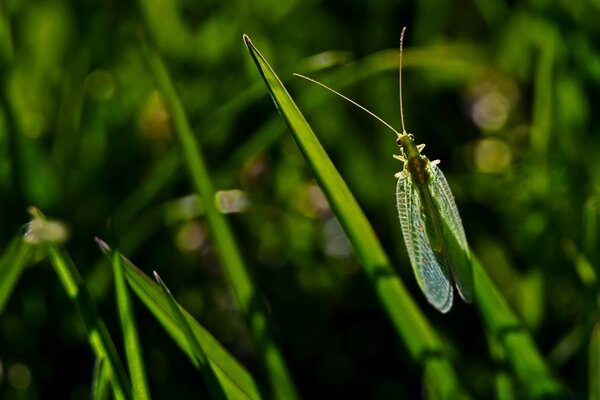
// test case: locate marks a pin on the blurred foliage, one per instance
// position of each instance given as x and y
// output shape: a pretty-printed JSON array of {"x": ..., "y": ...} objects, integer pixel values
[{"x": 502, "y": 93}]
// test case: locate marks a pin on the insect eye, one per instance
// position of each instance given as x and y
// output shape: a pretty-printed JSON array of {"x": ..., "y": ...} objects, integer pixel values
[
  {"x": 399, "y": 142},
  {"x": 411, "y": 136}
]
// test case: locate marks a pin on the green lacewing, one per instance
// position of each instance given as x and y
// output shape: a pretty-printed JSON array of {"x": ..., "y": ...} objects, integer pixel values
[{"x": 431, "y": 226}]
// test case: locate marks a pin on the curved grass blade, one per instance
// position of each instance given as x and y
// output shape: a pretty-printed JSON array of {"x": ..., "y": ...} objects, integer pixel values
[
  {"x": 226, "y": 366},
  {"x": 130, "y": 335},
  {"x": 98, "y": 335},
  {"x": 245, "y": 293},
  {"x": 16, "y": 257},
  {"x": 412, "y": 327},
  {"x": 521, "y": 352},
  {"x": 100, "y": 381},
  {"x": 201, "y": 361}
]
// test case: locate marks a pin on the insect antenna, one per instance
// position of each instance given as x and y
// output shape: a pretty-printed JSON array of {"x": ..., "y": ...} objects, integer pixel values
[
  {"x": 400, "y": 79},
  {"x": 372, "y": 114}
]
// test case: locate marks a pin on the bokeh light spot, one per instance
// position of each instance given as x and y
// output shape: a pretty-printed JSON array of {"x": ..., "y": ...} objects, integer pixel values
[
  {"x": 190, "y": 237},
  {"x": 231, "y": 201},
  {"x": 19, "y": 376},
  {"x": 492, "y": 155},
  {"x": 490, "y": 111}
]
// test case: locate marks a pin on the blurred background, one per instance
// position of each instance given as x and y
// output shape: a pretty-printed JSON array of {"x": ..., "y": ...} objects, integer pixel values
[{"x": 503, "y": 93}]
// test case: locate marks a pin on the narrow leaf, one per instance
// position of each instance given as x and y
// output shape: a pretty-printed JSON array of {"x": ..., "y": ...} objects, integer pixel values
[
  {"x": 130, "y": 335},
  {"x": 409, "y": 322},
  {"x": 48, "y": 233},
  {"x": 521, "y": 351},
  {"x": 226, "y": 366},
  {"x": 201, "y": 362},
  {"x": 100, "y": 381},
  {"x": 245, "y": 293},
  {"x": 98, "y": 335},
  {"x": 415, "y": 331},
  {"x": 13, "y": 262}
]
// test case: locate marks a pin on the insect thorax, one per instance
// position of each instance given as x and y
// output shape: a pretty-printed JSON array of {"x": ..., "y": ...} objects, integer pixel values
[
  {"x": 416, "y": 164},
  {"x": 418, "y": 168}
]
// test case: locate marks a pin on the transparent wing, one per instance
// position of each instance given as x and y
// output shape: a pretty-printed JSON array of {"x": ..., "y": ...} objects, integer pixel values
[
  {"x": 431, "y": 278},
  {"x": 442, "y": 193},
  {"x": 458, "y": 250}
]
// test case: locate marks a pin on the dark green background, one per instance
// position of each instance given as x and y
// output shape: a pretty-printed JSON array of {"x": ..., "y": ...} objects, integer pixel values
[{"x": 504, "y": 93}]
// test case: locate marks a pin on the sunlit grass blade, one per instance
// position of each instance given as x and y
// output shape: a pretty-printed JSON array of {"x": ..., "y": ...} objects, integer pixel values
[
  {"x": 131, "y": 342},
  {"x": 98, "y": 335},
  {"x": 227, "y": 367},
  {"x": 521, "y": 351},
  {"x": 594, "y": 364},
  {"x": 14, "y": 260},
  {"x": 406, "y": 317},
  {"x": 100, "y": 381},
  {"x": 246, "y": 295},
  {"x": 201, "y": 361},
  {"x": 42, "y": 232}
]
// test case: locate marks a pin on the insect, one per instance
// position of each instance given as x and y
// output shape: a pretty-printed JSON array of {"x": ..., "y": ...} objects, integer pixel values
[{"x": 431, "y": 226}]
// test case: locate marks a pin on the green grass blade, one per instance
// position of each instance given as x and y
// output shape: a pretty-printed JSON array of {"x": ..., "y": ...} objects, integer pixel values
[
  {"x": 130, "y": 334},
  {"x": 98, "y": 335},
  {"x": 521, "y": 352},
  {"x": 412, "y": 327},
  {"x": 226, "y": 366},
  {"x": 594, "y": 363},
  {"x": 201, "y": 361},
  {"x": 46, "y": 233},
  {"x": 13, "y": 262},
  {"x": 246, "y": 295},
  {"x": 100, "y": 381}
]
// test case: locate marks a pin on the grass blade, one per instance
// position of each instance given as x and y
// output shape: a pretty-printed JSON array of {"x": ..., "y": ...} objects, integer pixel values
[
  {"x": 521, "y": 352},
  {"x": 98, "y": 335},
  {"x": 200, "y": 358},
  {"x": 130, "y": 335},
  {"x": 226, "y": 366},
  {"x": 594, "y": 362},
  {"x": 246, "y": 295},
  {"x": 100, "y": 381},
  {"x": 15, "y": 258},
  {"x": 409, "y": 322},
  {"x": 415, "y": 331},
  {"x": 46, "y": 233}
]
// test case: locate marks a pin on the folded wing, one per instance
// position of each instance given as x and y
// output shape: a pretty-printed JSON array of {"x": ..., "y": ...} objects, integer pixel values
[
  {"x": 431, "y": 279},
  {"x": 457, "y": 247}
]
